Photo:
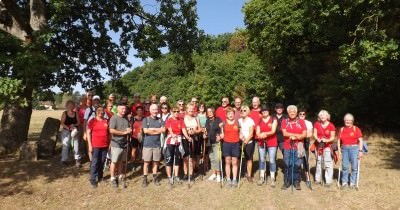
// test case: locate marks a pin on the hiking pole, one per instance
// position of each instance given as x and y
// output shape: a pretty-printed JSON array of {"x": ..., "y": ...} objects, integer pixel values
[
  {"x": 126, "y": 159},
  {"x": 308, "y": 172},
  {"x": 338, "y": 178},
  {"x": 323, "y": 165},
  {"x": 189, "y": 164},
  {"x": 241, "y": 161},
  {"x": 173, "y": 167},
  {"x": 220, "y": 164},
  {"x": 358, "y": 173},
  {"x": 265, "y": 162},
  {"x": 292, "y": 151},
  {"x": 203, "y": 159}
]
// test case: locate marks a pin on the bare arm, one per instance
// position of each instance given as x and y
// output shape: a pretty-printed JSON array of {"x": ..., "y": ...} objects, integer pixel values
[
  {"x": 273, "y": 129},
  {"x": 119, "y": 132},
  {"x": 251, "y": 131},
  {"x": 63, "y": 116}
]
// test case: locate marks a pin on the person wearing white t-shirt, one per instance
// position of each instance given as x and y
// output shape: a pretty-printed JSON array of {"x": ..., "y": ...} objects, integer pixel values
[
  {"x": 309, "y": 125},
  {"x": 247, "y": 125}
]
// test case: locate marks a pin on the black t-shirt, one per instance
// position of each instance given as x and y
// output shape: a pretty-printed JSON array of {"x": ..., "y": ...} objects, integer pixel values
[
  {"x": 279, "y": 134},
  {"x": 212, "y": 127}
]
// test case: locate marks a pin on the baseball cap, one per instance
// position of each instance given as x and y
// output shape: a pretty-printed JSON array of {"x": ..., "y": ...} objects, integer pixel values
[
  {"x": 278, "y": 105},
  {"x": 96, "y": 97}
]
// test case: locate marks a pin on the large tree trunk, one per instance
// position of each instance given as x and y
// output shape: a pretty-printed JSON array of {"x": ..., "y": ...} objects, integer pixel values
[{"x": 15, "y": 124}]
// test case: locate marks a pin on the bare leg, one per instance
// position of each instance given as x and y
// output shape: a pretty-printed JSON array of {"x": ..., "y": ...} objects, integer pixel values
[
  {"x": 235, "y": 167},
  {"x": 228, "y": 162}
]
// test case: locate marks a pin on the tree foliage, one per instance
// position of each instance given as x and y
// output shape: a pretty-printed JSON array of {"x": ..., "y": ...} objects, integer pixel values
[{"x": 340, "y": 56}]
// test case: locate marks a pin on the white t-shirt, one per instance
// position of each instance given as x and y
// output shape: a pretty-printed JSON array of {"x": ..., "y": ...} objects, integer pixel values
[
  {"x": 245, "y": 126},
  {"x": 309, "y": 127}
]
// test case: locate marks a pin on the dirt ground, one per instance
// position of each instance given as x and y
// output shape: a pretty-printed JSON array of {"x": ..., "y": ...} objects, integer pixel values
[{"x": 46, "y": 185}]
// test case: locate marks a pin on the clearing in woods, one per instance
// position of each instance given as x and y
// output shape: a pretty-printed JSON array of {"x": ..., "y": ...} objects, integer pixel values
[{"x": 47, "y": 185}]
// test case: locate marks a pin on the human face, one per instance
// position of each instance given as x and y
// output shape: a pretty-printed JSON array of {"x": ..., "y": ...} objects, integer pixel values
[
  {"x": 100, "y": 112},
  {"x": 225, "y": 102},
  {"x": 139, "y": 112},
  {"x": 153, "y": 111},
  {"x": 111, "y": 98},
  {"x": 124, "y": 99},
  {"x": 180, "y": 104},
  {"x": 201, "y": 109},
  {"x": 175, "y": 113},
  {"x": 90, "y": 95},
  {"x": 244, "y": 113},
  {"x": 71, "y": 106},
  {"x": 348, "y": 122},
  {"x": 164, "y": 109},
  {"x": 279, "y": 111},
  {"x": 210, "y": 113},
  {"x": 136, "y": 98},
  {"x": 265, "y": 114},
  {"x": 255, "y": 103},
  {"x": 292, "y": 114},
  {"x": 302, "y": 115},
  {"x": 121, "y": 110},
  {"x": 109, "y": 106},
  {"x": 238, "y": 103},
  {"x": 194, "y": 101},
  {"x": 153, "y": 99},
  {"x": 230, "y": 115},
  {"x": 323, "y": 117},
  {"x": 95, "y": 102},
  {"x": 190, "y": 111}
]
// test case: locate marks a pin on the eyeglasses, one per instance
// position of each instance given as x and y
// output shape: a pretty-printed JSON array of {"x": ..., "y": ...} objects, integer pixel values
[
  {"x": 164, "y": 107},
  {"x": 225, "y": 102},
  {"x": 194, "y": 101},
  {"x": 180, "y": 104},
  {"x": 175, "y": 111},
  {"x": 302, "y": 114},
  {"x": 243, "y": 110}
]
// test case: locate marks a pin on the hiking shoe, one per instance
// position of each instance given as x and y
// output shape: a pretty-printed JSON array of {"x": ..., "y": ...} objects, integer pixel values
[
  {"x": 64, "y": 163},
  {"x": 218, "y": 179},
  {"x": 171, "y": 180},
  {"x": 212, "y": 177},
  {"x": 114, "y": 183},
  {"x": 229, "y": 183},
  {"x": 144, "y": 183},
  {"x": 344, "y": 186},
  {"x": 177, "y": 180},
  {"x": 352, "y": 186},
  {"x": 185, "y": 177},
  {"x": 285, "y": 186},
  {"x": 260, "y": 181},
  {"x": 234, "y": 183},
  {"x": 328, "y": 185},
  {"x": 156, "y": 181},
  {"x": 297, "y": 185}
]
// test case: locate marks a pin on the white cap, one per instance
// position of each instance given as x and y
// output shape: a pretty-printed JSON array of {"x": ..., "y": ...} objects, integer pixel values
[{"x": 96, "y": 97}]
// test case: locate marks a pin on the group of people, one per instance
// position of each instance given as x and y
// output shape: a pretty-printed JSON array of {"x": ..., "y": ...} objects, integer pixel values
[{"x": 194, "y": 136}]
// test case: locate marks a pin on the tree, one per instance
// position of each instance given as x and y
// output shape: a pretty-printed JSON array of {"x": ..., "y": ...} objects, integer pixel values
[
  {"x": 329, "y": 54},
  {"x": 61, "y": 43}
]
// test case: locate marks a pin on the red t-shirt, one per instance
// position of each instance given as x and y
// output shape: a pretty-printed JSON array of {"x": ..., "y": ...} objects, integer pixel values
[
  {"x": 109, "y": 114},
  {"x": 99, "y": 132},
  {"x": 349, "y": 135},
  {"x": 231, "y": 132},
  {"x": 272, "y": 141},
  {"x": 176, "y": 125},
  {"x": 256, "y": 116},
  {"x": 221, "y": 113},
  {"x": 324, "y": 132},
  {"x": 237, "y": 113},
  {"x": 81, "y": 113},
  {"x": 293, "y": 126},
  {"x": 181, "y": 115},
  {"x": 136, "y": 128}
]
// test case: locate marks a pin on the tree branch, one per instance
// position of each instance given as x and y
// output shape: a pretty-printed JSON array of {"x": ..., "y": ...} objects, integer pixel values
[
  {"x": 38, "y": 15},
  {"x": 17, "y": 27}
]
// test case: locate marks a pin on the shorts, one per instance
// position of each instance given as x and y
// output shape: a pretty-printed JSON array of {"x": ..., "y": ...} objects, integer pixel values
[
  {"x": 169, "y": 157},
  {"x": 249, "y": 150},
  {"x": 134, "y": 143},
  {"x": 231, "y": 149},
  {"x": 118, "y": 154},
  {"x": 151, "y": 154}
]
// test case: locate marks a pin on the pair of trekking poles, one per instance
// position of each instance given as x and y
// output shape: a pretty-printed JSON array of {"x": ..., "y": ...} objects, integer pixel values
[{"x": 358, "y": 173}]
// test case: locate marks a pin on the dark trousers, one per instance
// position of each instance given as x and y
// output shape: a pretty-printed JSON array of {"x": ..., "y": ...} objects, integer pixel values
[{"x": 96, "y": 168}]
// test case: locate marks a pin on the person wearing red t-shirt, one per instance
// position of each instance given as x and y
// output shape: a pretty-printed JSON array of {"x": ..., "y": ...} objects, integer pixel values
[
  {"x": 255, "y": 112},
  {"x": 324, "y": 135},
  {"x": 231, "y": 146},
  {"x": 136, "y": 132},
  {"x": 176, "y": 130},
  {"x": 350, "y": 147},
  {"x": 267, "y": 141},
  {"x": 294, "y": 131},
  {"x": 98, "y": 138},
  {"x": 181, "y": 106},
  {"x": 136, "y": 103},
  {"x": 221, "y": 111},
  {"x": 108, "y": 109}
]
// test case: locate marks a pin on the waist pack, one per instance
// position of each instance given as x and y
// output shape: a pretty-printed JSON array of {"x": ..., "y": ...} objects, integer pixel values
[{"x": 121, "y": 144}]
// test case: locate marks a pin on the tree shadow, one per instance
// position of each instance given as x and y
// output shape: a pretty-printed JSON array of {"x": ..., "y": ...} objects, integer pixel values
[
  {"x": 16, "y": 175},
  {"x": 386, "y": 146}
]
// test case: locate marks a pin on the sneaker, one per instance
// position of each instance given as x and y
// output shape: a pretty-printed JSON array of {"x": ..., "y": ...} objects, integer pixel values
[
  {"x": 344, "y": 186},
  {"x": 156, "y": 181},
  {"x": 234, "y": 183},
  {"x": 328, "y": 185},
  {"x": 177, "y": 180},
  {"x": 144, "y": 183},
  {"x": 93, "y": 183},
  {"x": 352, "y": 186},
  {"x": 261, "y": 181},
  {"x": 114, "y": 183},
  {"x": 185, "y": 177},
  {"x": 297, "y": 185},
  {"x": 212, "y": 177},
  {"x": 171, "y": 180},
  {"x": 229, "y": 182},
  {"x": 218, "y": 179},
  {"x": 285, "y": 186}
]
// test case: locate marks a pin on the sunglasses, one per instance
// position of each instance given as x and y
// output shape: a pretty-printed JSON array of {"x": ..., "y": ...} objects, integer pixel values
[
  {"x": 302, "y": 114},
  {"x": 175, "y": 111},
  {"x": 180, "y": 104},
  {"x": 164, "y": 107},
  {"x": 243, "y": 110},
  {"x": 224, "y": 101}
]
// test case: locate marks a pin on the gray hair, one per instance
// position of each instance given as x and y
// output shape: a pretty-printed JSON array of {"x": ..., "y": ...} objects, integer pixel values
[
  {"x": 349, "y": 117},
  {"x": 324, "y": 112},
  {"x": 291, "y": 107}
]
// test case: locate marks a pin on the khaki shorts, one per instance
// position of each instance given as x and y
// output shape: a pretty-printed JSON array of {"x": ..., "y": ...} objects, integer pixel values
[
  {"x": 151, "y": 154},
  {"x": 117, "y": 154}
]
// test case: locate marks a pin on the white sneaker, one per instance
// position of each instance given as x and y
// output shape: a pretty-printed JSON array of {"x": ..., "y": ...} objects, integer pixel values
[
  {"x": 218, "y": 179},
  {"x": 212, "y": 177}
]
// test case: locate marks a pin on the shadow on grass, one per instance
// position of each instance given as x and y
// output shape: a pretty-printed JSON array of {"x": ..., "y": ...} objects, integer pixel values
[
  {"x": 389, "y": 149},
  {"x": 16, "y": 175}
]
